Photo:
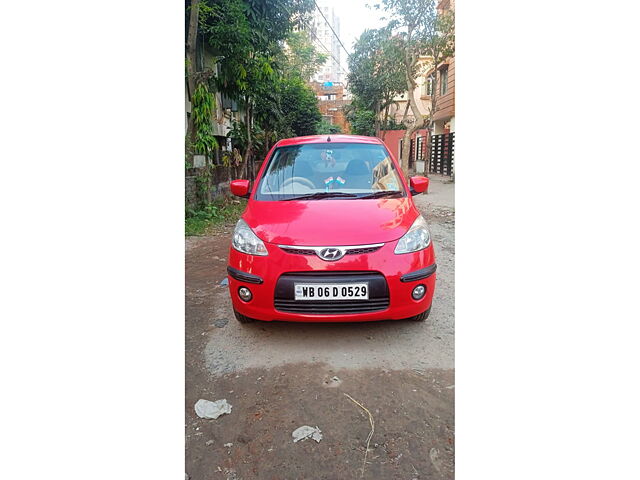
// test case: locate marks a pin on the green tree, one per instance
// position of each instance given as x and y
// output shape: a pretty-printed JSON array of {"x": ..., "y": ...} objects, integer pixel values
[
  {"x": 202, "y": 107},
  {"x": 193, "y": 10},
  {"x": 362, "y": 121},
  {"x": 270, "y": 123},
  {"x": 301, "y": 56},
  {"x": 300, "y": 106},
  {"x": 287, "y": 106},
  {"x": 376, "y": 72},
  {"x": 391, "y": 124},
  {"x": 422, "y": 32},
  {"x": 247, "y": 36}
]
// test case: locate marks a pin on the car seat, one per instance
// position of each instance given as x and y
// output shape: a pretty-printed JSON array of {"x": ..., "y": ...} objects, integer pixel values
[
  {"x": 357, "y": 175},
  {"x": 303, "y": 169}
]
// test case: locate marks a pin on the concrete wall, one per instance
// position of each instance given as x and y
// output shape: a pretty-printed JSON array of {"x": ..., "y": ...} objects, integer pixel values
[
  {"x": 335, "y": 110},
  {"x": 219, "y": 181},
  {"x": 392, "y": 140},
  {"x": 219, "y": 185}
]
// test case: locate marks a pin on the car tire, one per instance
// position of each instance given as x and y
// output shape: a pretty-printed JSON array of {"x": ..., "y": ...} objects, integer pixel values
[
  {"x": 241, "y": 318},
  {"x": 421, "y": 317}
]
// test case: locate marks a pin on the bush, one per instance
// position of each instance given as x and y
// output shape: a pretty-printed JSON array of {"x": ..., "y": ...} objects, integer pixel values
[
  {"x": 326, "y": 128},
  {"x": 226, "y": 210},
  {"x": 362, "y": 122}
]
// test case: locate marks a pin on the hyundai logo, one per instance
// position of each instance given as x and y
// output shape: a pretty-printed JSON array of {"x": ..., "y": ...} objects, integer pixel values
[{"x": 331, "y": 254}]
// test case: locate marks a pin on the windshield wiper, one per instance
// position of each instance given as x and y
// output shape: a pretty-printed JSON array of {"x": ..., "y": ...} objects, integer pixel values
[
  {"x": 317, "y": 195},
  {"x": 383, "y": 193}
]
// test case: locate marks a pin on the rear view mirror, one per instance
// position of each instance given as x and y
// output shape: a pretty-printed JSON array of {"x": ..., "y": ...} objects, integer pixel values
[
  {"x": 240, "y": 188},
  {"x": 418, "y": 184}
]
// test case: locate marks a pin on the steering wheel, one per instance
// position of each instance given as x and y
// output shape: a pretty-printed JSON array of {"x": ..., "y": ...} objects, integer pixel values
[{"x": 302, "y": 180}]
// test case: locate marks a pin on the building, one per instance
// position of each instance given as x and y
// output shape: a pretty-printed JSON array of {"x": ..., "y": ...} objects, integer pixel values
[
  {"x": 227, "y": 110},
  {"x": 331, "y": 102},
  {"x": 441, "y": 156},
  {"x": 422, "y": 93},
  {"x": 445, "y": 117},
  {"x": 325, "y": 40}
]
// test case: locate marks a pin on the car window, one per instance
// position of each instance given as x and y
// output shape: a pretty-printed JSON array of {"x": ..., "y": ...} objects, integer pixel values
[{"x": 359, "y": 169}]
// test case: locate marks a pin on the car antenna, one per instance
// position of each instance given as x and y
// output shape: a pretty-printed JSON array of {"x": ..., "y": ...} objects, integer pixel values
[{"x": 329, "y": 138}]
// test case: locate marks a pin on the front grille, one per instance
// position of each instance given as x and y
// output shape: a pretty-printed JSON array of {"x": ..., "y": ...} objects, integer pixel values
[
  {"x": 284, "y": 300},
  {"x": 295, "y": 251},
  {"x": 360, "y": 251},
  {"x": 352, "y": 250},
  {"x": 331, "y": 307}
]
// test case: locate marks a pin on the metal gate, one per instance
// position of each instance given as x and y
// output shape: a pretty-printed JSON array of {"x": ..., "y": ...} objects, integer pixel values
[
  {"x": 416, "y": 152},
  {"x": 442, "y": 153},
  {"x": 412, "y": 152},
  {"x": 420, "y": 152}
]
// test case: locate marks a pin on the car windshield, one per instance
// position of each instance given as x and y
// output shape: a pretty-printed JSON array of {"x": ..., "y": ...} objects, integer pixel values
[{"x": 329, "y": 170}]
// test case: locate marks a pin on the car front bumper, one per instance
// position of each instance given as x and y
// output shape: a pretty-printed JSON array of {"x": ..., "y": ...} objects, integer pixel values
[{"x": 261, "y": 274}]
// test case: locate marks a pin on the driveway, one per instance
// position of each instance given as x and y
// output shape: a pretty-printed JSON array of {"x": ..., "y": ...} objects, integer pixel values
[{"x": 279, "y": 376}]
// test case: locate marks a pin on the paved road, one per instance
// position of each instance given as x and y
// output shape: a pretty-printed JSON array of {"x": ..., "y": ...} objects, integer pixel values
[{"x": 279, "y": 376}]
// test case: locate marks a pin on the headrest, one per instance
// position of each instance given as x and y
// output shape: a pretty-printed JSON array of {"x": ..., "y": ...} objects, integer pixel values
[
  {"x": 357, "y": 167},
  {"x": 302, "y": 169}
]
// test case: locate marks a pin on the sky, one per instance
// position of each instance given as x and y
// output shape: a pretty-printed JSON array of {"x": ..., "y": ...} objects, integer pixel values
[{"x": 355, "y": 17}]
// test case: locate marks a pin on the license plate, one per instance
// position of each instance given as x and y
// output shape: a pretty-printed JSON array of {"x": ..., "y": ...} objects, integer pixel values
[{"x": 331, "y": 291}]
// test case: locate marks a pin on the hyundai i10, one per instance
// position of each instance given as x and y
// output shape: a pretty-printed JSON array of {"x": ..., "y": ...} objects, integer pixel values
[{"x": 331, "y": 234}]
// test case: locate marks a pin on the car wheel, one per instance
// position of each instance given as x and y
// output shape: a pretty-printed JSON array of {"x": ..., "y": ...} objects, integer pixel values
[
  {"x": 421, "y": 317},
  {"x": 241, "y": 318}
]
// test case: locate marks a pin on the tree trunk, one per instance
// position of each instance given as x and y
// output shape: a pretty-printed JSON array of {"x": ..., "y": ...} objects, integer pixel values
[
  {"x": 432, "y": 112},
  {"x": 419, "y": 122},
  {"x": 406, "y": 148},
  {"x": 377, "y": 118},
  {"x": 404, "y": 115},
  {"x": 208, "y": 167},
  {"x": 247, "y": 153},
  {"x": 386, "y": 120},
  {"x": 191, "y": 62}
]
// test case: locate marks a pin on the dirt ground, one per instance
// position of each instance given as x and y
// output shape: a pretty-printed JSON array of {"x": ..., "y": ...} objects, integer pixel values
[{"x": 279, "y": 376}]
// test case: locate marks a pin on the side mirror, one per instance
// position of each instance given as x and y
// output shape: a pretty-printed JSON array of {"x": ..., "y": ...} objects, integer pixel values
[
  {"x": 418, "y": 184},
  {"x": 240, "y": 188}
]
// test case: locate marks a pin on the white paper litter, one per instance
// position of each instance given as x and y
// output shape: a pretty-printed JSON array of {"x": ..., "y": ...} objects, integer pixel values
[
  {"x": 208, "y": 409},
  {"x": 306, "y": 431}
]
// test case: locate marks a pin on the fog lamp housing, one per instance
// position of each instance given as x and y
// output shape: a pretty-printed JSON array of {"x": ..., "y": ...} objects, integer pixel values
[
  {"x": 419, "y": 292},
  {"x": 245, "y": 294}
]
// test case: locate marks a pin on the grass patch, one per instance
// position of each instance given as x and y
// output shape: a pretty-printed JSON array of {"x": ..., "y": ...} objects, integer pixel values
[{"x": 218, "y": 212}]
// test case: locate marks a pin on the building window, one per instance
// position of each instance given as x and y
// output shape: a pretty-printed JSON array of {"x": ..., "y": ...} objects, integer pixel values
[
  {"x": 427, "y": 86},
  {"x": 444, "y": 79}
]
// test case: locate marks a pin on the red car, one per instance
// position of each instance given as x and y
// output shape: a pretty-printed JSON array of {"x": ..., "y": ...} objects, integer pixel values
[{"x": 331, "y": 234}]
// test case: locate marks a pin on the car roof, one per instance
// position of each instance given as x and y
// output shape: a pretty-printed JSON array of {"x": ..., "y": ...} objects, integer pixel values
[{"x": 325, "y": 139}]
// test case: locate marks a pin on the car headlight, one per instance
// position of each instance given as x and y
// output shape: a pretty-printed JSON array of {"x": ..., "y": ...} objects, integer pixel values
[
  {"x": 245, "y": 241},
  {"x": 417, "y": 238}
]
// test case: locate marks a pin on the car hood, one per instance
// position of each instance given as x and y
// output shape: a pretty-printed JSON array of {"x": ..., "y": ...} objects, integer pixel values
[{"x": 331, "y": 222}]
